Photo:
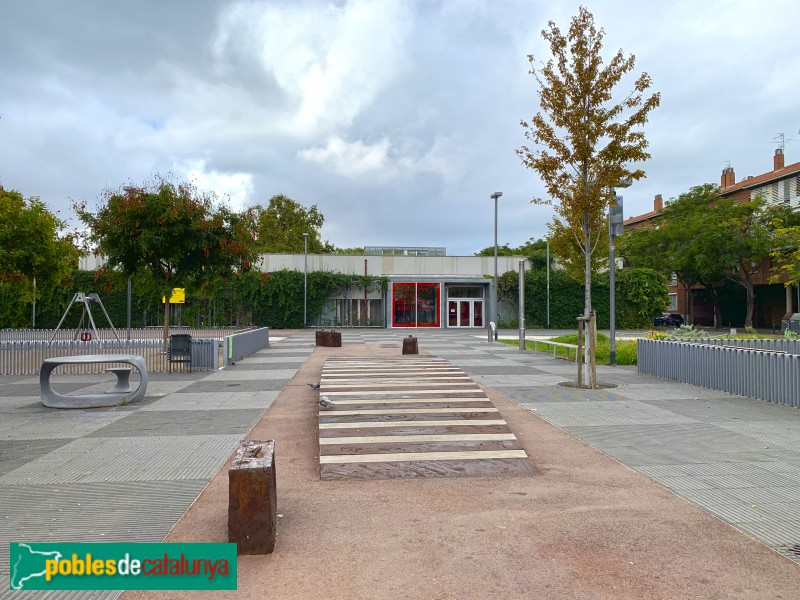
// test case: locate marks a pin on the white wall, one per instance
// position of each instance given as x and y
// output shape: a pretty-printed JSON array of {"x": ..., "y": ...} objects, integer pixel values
[{"x": 376, "y": 265}]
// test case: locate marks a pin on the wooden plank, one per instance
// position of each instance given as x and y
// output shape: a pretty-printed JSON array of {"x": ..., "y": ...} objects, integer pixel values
[
  {"x": 344, "y": 402},
  {"x": 416, "y": 411},
  {"x": 414, "y": 456},
  {"x": 503, "y": 467},
  {"x": 383, "y": 392},
  {"x": 441, "y": 423},
  {"x": 450, "y": 437}
]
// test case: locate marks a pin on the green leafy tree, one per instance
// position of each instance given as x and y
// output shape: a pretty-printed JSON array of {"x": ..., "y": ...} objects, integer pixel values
[
  {"x": 675, "y": 243},
  {"x": 585, "y": 140},
  {"x": 168, "y": 235},
  {"x": 741, "y": 238},
  {"x": 33, "y": 244},
  {"x": 569, "y": 253},
  {"x": 786, "y": 248},
  {"x": 280, "y": 227}
]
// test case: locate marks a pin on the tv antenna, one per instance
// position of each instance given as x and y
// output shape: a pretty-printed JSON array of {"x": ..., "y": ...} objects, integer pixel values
[{"x": 781, "y": 139}]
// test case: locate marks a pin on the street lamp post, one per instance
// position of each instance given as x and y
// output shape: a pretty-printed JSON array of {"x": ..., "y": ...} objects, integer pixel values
[
  {"x": 496, "y": 195},
  {"x": 615, "y": 219},
  {"x": 305, "y": 280}
]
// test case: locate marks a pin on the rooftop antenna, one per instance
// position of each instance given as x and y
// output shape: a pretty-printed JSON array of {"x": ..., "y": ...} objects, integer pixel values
[
  {"x": 781, "y": 139},
  {"x": 727, "y": 164}
]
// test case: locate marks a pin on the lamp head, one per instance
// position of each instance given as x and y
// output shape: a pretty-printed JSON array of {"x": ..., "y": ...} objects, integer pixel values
[{"x": 496, "y": 195}]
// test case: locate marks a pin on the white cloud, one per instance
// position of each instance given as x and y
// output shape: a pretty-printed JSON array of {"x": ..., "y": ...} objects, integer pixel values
[
  {"x": 236, "y": 188},
  {"x": 332, "y": 63},
  {"x": 381, "y": 159}
]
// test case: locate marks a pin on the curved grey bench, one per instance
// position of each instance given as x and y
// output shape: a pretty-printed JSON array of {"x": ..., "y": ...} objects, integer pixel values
[{"x": 114, "y": 397}]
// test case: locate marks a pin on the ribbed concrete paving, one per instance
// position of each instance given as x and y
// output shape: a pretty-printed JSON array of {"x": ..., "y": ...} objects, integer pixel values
[
  {"x": 736, "y": 457},
  {"x": 126, "y": 473},
  {"x": 411, "y": 416}
]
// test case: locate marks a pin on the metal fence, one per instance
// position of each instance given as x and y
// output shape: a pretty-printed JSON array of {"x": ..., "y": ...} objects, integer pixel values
[
  {"x": 766, "y": 374},
  {"x": 26, "y": 358},
  {"x": 244, "y": 344},
  {"x": 106, "y": 334},
  {"x": 351, "y": 312},
  {"x": 781, "y": 345}
]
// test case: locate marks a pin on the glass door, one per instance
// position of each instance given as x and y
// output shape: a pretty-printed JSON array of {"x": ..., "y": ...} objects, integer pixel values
[
  {"x": 477, "y": 313},
  {"x": 452, "y": 313},
  {"x": 465, "y": 313}
]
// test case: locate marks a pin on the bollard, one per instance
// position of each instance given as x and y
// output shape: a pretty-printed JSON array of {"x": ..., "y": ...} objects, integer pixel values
[
  {"x": 410, "y": 345},
  {"x": 332, "y": 339},
  {"x": 252, "y": 498}
]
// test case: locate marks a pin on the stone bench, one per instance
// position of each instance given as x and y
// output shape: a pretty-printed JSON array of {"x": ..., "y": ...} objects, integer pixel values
[{"x": 119, "y": 394}]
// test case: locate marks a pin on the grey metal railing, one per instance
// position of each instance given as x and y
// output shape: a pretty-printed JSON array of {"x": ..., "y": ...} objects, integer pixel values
[
  {"x": 137, "y": 333},
  {"x": 239, "y": 345},
  {"x": 766, "y": 374},
  {"x": 782, "y": 345},
  {"x": 26, "y": 358}
]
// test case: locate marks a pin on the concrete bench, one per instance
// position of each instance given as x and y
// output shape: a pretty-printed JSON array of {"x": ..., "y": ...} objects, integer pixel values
[{"x": 119, "y": 394}]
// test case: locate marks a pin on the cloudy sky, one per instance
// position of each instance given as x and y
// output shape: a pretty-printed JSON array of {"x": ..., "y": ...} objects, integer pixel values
[{"x": 398, "y": 118}]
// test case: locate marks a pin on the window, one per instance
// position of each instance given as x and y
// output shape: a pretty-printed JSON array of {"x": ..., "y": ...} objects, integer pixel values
[
  {"x": 415, "y": 305},
  {"x": 673, "y": 303}
]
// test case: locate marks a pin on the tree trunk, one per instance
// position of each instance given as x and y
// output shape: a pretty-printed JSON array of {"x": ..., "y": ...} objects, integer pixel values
[
  {"x": 587, "y": 253},
  {"x": 746, "y": 281}
]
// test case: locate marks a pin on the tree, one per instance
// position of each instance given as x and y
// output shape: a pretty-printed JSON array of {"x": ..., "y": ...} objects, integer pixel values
[
  {"x": 280, "y": 227},
  {"x": 169, "y": 235},
  {"x": 570, "y": 256},
  {"x": 740, "y": 239},
  {"x": 585, "y": 139},
  {"x": 674, "y": 245},
  {"x": 786, "y": 249},
  {"x": 33, "y": 245}
]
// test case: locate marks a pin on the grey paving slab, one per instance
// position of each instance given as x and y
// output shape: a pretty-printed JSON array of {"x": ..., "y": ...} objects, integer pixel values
[
  {"x": 236, "y": 374},
  {"x": 55, "y": 424},
  {"x": 604, "y": 412},
  {"x": 649, "y": 391},
  {"x": 167, "y": 423},
  {"x": 519, "y": 380},
  {"x": 213, "y": 401},
  {"x": 138, "y": 458},
  {"x": 237, "y": 385},
  {"x": 14, "y": 453}
]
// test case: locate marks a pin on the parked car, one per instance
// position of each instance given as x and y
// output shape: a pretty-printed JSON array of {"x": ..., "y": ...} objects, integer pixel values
[{"x": 668, "y": 320}]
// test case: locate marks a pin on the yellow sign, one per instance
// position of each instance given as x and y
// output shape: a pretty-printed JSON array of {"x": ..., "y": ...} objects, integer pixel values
[{"x": 178, "y": 296}]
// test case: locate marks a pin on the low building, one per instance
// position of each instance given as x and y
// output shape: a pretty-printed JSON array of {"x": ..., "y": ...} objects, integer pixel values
[{"x": 426, "y": 288}]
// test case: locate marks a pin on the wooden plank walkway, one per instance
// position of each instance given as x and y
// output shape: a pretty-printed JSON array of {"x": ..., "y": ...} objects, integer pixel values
[{"x": 411, "y": 416}]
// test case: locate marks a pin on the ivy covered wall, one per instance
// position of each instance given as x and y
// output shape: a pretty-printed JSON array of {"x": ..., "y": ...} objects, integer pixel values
[{"x": 261, "y": 299}]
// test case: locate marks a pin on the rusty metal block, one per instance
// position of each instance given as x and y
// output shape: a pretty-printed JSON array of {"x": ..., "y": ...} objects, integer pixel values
[
  {"x": 410, "y": 345},
  {"x": 252, "y": 498},
  {"x": 332, "y": 339}
]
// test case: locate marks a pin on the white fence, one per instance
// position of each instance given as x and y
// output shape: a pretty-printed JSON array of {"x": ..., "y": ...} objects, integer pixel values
[{"x": 766, "y": 374}]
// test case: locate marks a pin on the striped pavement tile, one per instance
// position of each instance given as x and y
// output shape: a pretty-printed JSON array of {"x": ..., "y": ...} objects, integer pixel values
[{"x": 411, "y": 417}]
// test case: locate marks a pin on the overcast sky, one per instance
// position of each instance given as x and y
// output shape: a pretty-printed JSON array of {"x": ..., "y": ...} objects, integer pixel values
[{"x": 396, "y": 118}]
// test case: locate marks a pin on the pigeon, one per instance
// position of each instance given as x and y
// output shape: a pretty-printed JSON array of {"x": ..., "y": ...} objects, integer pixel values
[
  {"x": 325, "y": 403},
  {"x": 314, "y": 386}
]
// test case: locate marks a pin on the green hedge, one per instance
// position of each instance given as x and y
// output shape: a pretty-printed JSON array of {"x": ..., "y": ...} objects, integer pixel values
[
  {"x": 641, "y": 293},
  {"x": 262, "y": 299}
]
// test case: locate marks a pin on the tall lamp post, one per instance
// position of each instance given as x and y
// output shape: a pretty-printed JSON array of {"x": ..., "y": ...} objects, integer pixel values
[
  {"x": 496, "y": 195},
  {"x": 615, "y": 219},
  {"x": 305, "y": 280}
]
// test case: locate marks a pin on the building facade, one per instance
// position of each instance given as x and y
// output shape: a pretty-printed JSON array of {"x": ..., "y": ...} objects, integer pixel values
[{"x": 781, "y": 185}]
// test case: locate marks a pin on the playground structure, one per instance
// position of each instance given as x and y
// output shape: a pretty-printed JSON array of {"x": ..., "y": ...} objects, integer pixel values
[{"x": 86, "y": 301}]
